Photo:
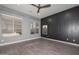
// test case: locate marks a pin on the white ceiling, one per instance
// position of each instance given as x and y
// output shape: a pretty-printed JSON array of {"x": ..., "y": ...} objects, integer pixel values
[{"x": 31, "y": 10}]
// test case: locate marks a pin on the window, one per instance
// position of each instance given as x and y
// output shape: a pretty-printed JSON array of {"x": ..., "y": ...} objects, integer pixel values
[{"x": 10, "y": 25}]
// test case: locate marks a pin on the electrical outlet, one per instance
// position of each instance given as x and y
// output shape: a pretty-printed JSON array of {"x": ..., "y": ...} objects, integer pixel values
[
  {"x": 2, "y": 40},
  {"x": 73, "y": 40},
  {"x": 67, "y": 39}
]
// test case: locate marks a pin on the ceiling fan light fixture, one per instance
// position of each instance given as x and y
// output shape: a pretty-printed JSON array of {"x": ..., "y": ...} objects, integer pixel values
[{"x": 38, "y": 14}]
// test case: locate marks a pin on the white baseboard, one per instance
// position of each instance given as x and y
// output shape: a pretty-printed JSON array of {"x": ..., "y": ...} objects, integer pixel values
[
  {"x": 62, "y": 41},
  {"x": 3, "y": 44}
]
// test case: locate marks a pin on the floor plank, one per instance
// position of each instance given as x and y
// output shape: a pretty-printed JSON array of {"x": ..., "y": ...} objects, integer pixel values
[{"x": 39, "y": 47}]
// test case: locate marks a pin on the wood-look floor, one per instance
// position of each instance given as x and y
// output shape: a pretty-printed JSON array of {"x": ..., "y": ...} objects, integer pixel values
[{"x": 39, "y": 47}]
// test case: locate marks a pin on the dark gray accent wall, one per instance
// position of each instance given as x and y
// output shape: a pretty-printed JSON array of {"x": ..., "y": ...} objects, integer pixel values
[{"x": 63, "y": 26}]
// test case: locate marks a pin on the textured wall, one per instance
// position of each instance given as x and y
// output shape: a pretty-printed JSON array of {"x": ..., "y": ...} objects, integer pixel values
[
  {"x": 26, "y": 21},
  {"x": 63, "y": 26}
]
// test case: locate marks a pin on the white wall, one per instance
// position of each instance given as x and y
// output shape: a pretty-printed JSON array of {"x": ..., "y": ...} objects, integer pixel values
[{"x": 26, "y": 21}]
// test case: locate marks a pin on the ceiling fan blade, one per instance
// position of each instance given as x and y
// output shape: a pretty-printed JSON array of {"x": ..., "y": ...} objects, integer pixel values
[
  {"x": 38, "y": 10},
  {"x": 34, "y": 5},
  {"x": 39, "y": 7},
  {"x": 46, "y": 6}
]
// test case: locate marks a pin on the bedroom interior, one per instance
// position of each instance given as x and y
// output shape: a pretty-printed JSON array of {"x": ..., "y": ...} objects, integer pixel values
[{"x": 39, "y": 29}]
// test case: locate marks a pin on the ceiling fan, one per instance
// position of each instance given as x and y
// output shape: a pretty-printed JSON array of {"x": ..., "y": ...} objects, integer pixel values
[{"x": 40, "y": 7}]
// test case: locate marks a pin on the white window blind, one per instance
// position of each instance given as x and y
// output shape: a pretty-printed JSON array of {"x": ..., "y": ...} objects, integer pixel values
[{"x": 10, "y": 25}]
